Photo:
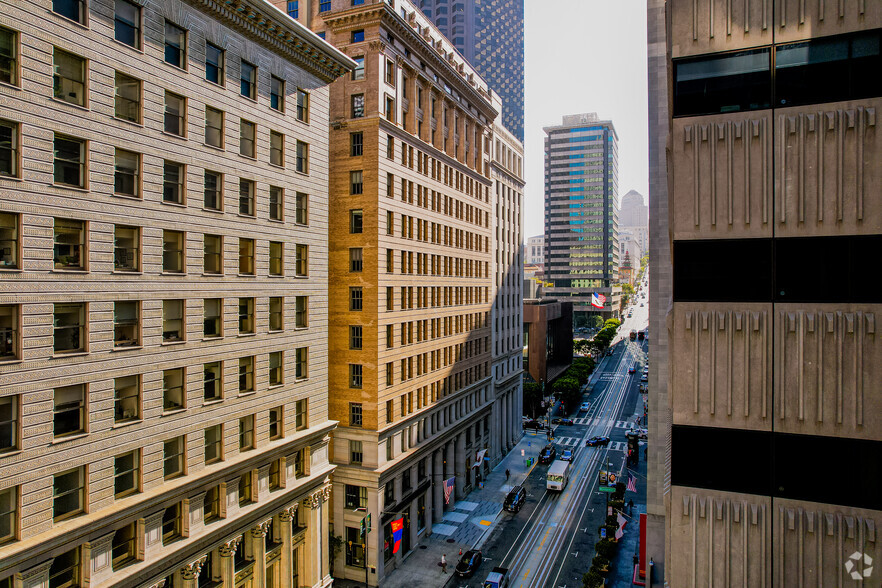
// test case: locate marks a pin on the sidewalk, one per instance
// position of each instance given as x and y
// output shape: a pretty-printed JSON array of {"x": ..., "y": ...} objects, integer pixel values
[{"x": 464, "y": 527}]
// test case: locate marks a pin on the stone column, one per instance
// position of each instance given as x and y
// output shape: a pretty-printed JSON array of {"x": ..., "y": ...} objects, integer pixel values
[
  {"x": 190, "y": 572},
  {"x": 460, "y": 465},
  {"x": 286, "y": 528},
  {"x": 258, "y": 550},
  {"x": 227, "y": 551},
  {"x": 414, "y": 523},
  {"x": 503, "y": 419},
  {"x": 438, "y": 486},
  {"x": 312, "y": 565}
]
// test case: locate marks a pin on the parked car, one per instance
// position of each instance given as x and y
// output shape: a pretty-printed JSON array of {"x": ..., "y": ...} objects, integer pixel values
[
  {"x": 548, "y": 454},
  {"x": 597, "y": 441},
  {"x": 644, "y": 378},
  {"x": 531, "y": 424},
  {"x": 515, "y": 499},
  {"x": 567, "y": 455},
  {"x": 561, "y": 421},
  {"x": 468, "y": 563}
]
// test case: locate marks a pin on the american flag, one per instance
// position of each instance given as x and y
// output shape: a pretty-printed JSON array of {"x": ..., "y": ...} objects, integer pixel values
[
  {"x": 598, "y": 300},
  {"x": 449, "y": 485},
  {"x": 632, "y": 483}
]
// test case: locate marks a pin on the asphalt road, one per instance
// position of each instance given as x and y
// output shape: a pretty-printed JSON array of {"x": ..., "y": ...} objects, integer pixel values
[{"x": 550, "y": 542}]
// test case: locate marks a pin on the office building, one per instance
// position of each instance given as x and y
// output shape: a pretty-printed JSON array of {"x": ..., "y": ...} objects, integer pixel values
[
  {"x": 412, "y": 277},
  {"x": 765, "y": 433},
  {"x": 581, "y": 213},
  {"x": 534, "y": 252},
  {"x": 490, "y": 35},
  {"x": 548, "y": 341},
  {"x": 634, "y": 221},
  {"x": 163, "y": 206}
]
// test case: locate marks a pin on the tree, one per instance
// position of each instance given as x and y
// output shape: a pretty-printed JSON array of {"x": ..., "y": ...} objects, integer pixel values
[
  {"x": 336, "y": 544},
  {"x": 567, "y": 390},
  {"x": 532, "y": 398}
]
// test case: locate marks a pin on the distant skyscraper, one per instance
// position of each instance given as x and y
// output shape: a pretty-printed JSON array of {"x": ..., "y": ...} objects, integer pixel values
[
  {"x": 490, "y": 35},
  {"x": 634, "y": 223},
  {"x": 581, "y": 211}
]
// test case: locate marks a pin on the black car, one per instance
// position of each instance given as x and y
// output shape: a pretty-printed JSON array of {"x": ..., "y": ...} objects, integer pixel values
[
  {"x": 597, "y": 441},
  {"x": 533, "y": 425},
  {"x": 515, "y": 499},
  {"x": 468, "y": 563},
  {"x": 561, "y": 421},
  {"x": 548, "y": 454}
]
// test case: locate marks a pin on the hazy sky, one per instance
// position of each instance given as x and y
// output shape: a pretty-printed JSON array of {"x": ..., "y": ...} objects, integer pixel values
[{"x": 584, "y": 56}]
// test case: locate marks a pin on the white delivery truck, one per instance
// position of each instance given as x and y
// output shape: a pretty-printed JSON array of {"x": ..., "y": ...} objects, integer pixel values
[{"x": 558, "y": 475}]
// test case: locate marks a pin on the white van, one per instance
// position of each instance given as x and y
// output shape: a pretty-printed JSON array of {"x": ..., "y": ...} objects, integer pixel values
[{"x": 558, "y": 475}]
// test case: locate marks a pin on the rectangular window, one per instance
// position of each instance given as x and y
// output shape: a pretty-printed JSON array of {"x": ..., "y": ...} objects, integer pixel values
[
  {"x": 127, "y": 173},
  {"x": 248, "y": 80},
  {"x": 390, "y": 109},
  {"x": 246, "y": 433},
  {"x": 301, "y": 216},
  {"x": 355, "y": 336},
  {"x": 173, "y": 252},
  {"x": 356, "y": 453},
  {"x": 70, "y": 244},
  {"x": 9, "y": 148},
  {"x": 358, "y": 72},
  {"x": 69, "y": 77},
  {"x": 356, "y": 496},
  {"x": 212, "y": 381},
  {"x": 356, "y": 262},
  {"x": 68, "y": 493},
  {"x": 390, "y": 72},
  {"x": 246, "y": 375},
  {"x": 302, "y": 157},
  {"x": 212, "y": 254},
  {"x": 126, "y": 474},
  {"x": 69, "y": 410},
  {"x": 390, "y": 298},
  {"x": 211, "y": 504},
  {"x": 276, "y": 423},
  {"x": 212, "y": 320},
  {"x": 9, "y": 411},
  {"x": 214, "y": 64},
  {"x": 294, "y": 12},
  {"x": 246, "y": 483},
  {"x": 276, "y": 313},
  {"x": 276, "y": 203},
  {"x": 731, "y": 82},
  {"x": 173, "y": 175},
  {"x": 324, "y": 5},
  {"x": 390, "y": 151},
  {"x": 301, "y": 359},
  {"x": 302, "y": 105},
  {"x": 126, "y": 324},
  {"x": 175, "y": 117},
  {"x": 127, "y": 98},
  {"x": 171, "y": 523},
  {"x": 301, "y": 421},
  {"x": 356, "y": 182},
  {"x": 355, "y": 375},
  {"x": 69, "y": 325},
  {"x": 127, "y": 399},
  {"x": 246, "y": 315},
  {"x": 357, "y": 105},
  {"x": 354, "y": 547},
  {"x": 301, "y": 312},
  {"x": 390, "y": 261},
  {"x": 8, "y": 56},
  {"x": 70, "y": 161},
  {"x": 173, "y": 321},
  {"x": 247, "y": 133},
  {"x": 356, "y": 144},
  {"x": 175, "y": 45},
  {"x": 246, "y": 197},
  {"x": 277, "y": 93},
  {"x": 276, "y": 258},
  {"x": 355, "y": 298},
  {"x": 301, "y": 260},
  {"x": 356, "y": 36},
  {"x": 214, "y": 127},
  {"x": 390, "y": 223},
  {"x": 276, "y": 369},
  {"x": 124, "y": 546},
  {"x": 356, "y": 222},
  {"x": 277, "y": 148},
  {"x": 214, "y": 444},
  {"x": 173, "y": 390},
  {"x": 65, "y": 569},
  {"x": 173, "y": 454},
  {"x": 246, "y": 257},
  {"x": 72, "y": 9},
  {"x": 127, "y": 23},
  {"x": 275, "y": 482},
  {"x": 355, "y": 414},
  {"x": 213, "y": 184}
]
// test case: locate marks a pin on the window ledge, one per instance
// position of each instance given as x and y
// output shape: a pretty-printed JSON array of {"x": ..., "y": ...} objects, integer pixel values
[
  {"x": 127, "y": 121},
  {"x": 214, "y": 210},
  {"x": 72, "y": 270},
  {"x": 213, "y": 338},
  {"x": 127, "y": 348},
  {"x": 173, "y": 343},
  {"x": 11, "y": 361},
  {"x": 209, "y": 145},
  {"x": 241, "y": 275},
  {"x": 66, "y": 438},
  {"x": 212, "y": 275},
  {"x": 275, "y": 331},
  {"x": 276, "y": 165},
  {"x": 251, "y": 216},
  {"x": 128, "y": 423},
  {"x": 165, "y": 133},
  {"x": 273, "y": 387},
  {"x": 212, "y": 402},
  {"x": 127, "y": 272},
  {"x": 172, "y": 273},
  {"x": 276, "y": 276},
  {"x": 173, "y": 412},
  {"x": 248, "y": 157},
  {"x": 246, "y": 394},
  {"x": 71, "y": 354},
  {"x": 135, "y": 49},
  {"x": 246, "y": 335},
  {"x": 178, "y": 204},
  {"x": 77, "y": 106},
  {"x": 276, "y": 220}
]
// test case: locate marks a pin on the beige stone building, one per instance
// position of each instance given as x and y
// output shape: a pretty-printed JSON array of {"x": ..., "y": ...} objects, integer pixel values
[
  {"x": 765, "y": 428},
  {"x": 163, "y": 295},
  {"x": 411, "y": 276}
]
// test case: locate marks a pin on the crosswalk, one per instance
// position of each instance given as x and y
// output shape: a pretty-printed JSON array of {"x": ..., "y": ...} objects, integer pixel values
[
  {"x": 598, "y": 421},
  {"x": 573, "y": 441}
]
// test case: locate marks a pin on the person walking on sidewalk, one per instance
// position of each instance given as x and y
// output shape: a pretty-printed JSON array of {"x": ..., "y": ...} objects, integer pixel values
[
  {"x": 443, "y": 563},
  {"x": 507, "y": 475}
]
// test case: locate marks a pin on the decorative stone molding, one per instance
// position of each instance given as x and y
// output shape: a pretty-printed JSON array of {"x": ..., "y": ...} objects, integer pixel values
[
  {"x": 289, "y": 514},
  {"x": 318, "y": 497},
  {"x": 192, "y": 569},
  {"x": 228, "y": 548},
  {"x": 101, "y": 552},
  {"x": 159, "y": 584},
  {"x": 260, "y": 531},
  {"x": 36, "y": 576},
  {"x": 377, "y": 46}
]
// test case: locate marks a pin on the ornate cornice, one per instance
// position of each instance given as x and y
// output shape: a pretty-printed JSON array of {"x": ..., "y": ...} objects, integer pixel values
[
  {"x": 260, "y": 531},
  {"x": 318, "y": 497},
  {"x": 228, "y": 548},
  {"x": 192, "y": 569},
  {"x": 277, "y": 31},
  {"x": 289, "y": 513}
]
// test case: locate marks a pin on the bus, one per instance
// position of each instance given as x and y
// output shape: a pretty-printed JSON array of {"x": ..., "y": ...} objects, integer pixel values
[{"x": 558, "y": 475}]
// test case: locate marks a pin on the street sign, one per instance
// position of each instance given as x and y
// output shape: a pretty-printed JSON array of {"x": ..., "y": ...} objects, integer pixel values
[
  {"x": 607, "y": 489},
  {"x": 603, "y": 532},
  {"x": 369, "y": 523}
]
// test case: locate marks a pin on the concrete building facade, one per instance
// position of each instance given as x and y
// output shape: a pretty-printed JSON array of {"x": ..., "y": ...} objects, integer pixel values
[
  {"x": 764, "y": 405},
  {"x": 534, "y": 254},
  {"x": 490, "y": 35},
  {"x": 413, "y": 277},
  {"x": 163, "y": 299},
  {"x": 581, "y": 212}
]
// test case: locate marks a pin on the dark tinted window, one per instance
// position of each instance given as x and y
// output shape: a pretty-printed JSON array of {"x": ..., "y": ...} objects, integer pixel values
[
  {"x": 722, "y": 83},
  {"x": 828, "y": 70},
  {"x": 723, "y": 270}
]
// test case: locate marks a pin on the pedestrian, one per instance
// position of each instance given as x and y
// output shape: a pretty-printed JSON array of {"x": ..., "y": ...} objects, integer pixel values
[
  {"x": 443, "y": 563},
  {"x": 507, "y": 475}
]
